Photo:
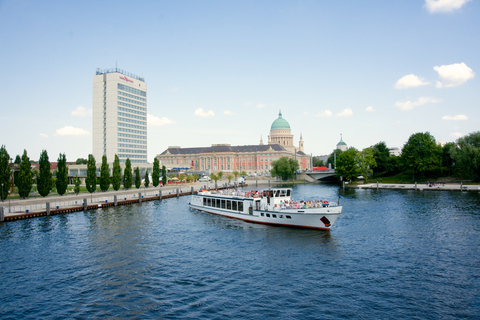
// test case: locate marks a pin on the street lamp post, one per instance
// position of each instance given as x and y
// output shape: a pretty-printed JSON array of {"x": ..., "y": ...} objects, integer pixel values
[{"x": 2, "y": 191}]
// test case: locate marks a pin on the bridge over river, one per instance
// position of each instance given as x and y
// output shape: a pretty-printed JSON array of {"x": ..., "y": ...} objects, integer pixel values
[{"x": 320, "y": 176}]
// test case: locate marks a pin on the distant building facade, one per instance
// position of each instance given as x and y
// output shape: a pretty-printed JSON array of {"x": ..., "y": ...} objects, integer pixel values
[
  {"x": 119, "y": 115},
  {"x": 249, "y": 158}
]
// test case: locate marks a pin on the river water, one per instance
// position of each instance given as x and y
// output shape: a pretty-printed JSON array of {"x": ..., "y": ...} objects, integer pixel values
[{"x": 391, "y": 254}]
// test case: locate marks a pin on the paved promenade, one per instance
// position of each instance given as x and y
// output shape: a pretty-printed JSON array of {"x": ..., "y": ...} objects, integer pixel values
[
  {"x": 67, "y": 202},
  {"x": 419, "y": 186}
]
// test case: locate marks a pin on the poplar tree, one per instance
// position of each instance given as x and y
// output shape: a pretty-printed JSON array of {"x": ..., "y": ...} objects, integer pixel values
[
  {"x": 147, "y": 179},
  {"x": 138, "y": 180},
  {"x": 91, "y": 180},
  {"x": 164, "y": 175},
  {"x": 127, "y": 175},
  {"x": 156, "y": 173},
  {"x": 116, "y": 174},
  {"x": 25, "y": 176},
  {"x": 104, "y": 175},
  {"x": 77, "y": 182},
  {"x": 62, "y": 175},
  {"x": 5, "y": 172},
  {"x": 44, "y": 179}
]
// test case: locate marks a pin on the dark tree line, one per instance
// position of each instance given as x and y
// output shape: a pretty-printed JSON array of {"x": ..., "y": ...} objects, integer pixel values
[
  {"x": 46, "y": 180},
  {"x": 421, "y": 158}
]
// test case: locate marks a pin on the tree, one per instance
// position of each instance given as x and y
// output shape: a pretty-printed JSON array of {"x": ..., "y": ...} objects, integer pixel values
[
  {"x": 44, "y": 179},
  {"x": 116, "y": 174},
  {"x": 62, "y": 174},
  {"x": 421, "y": 154},
  {"x": 380, "y": 155},
  {"x": 448, "y": 161},
  {"x": 229, "y": 177},
  {"x": 138, "y": 179},
  {"x": 156, "y": 173},
  {"x": 181, "y": 177},
  {"x": 332, "y": 158},
  {"x": 164, "y": 175},
  {"x": 236, "y": 174},
  {"x": 81, "y": 161},
  {"x": 220, "y": 175},
  {"x": 244, "y": 173},
  {"x": 347, "y": 167},
  {"x": 18, "y": 160},
  {"x": 91, "y": 179},
  {"x": 147, "y": 179},
  {"x": 317, "y": 162},
  {"x": 5, "y": 172},
  {"x": 215, "y": 177},
  {"x": 467, "y": 155},
  {"x": 127, "y": 175},
  {"x": 284, "y": 167},
  {"x": 366, "y": 162},
  {"x": 77, "y": 182},
  {"x": 25, "y": 176},
  {"x": 104, "y": 175}
]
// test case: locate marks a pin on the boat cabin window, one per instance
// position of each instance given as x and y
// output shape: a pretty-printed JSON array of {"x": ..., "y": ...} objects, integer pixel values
[
  {"x": 274, "y": 215},
  {"x": 288, "y": 217},
  {"x": 240, "y": 206},
  {"x": 222, "y": 203},
  {"x": 229, "y": 204},
  {"x": 268, "y": 215},
  {"x": 234, "y": 205}
]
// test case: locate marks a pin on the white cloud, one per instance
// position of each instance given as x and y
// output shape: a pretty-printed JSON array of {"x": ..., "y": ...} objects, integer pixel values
[
  {"x": 230, "y": 113},
  {"x": 80, "y": 111},
  {"x": 456, "y": 135},
  {"x": 410, "y": 81},
  {"x": 324, "y": 114},
  {"x": 409, "y": 105},
  {"x": 158, "y": 122},
  {"x": 444, "y": 5},
  {"x": 71, "y": 131},
  {"x": 43, "y": 135},
  {"x": 369, "y": 109},
  {"x": 345, "y": 113},
  {"x": 456, "y": 118},
  {"x": 261, "y": 105},
  {"x": 201, "y": 113},
  {"x": 453, "y": 75}
]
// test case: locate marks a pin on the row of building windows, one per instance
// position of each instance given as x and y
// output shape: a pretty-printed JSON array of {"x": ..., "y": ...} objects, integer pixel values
[
  {"x": 216, "y": 160},
  {"x": 131, "y": 96},
  {"x": 223, "y": 204},
  {"x": 135, "y": 136},
  {"x": 131, "y": 116},
  {"x": 131, "y": 130},
  {"x": 133, "y": 146},
  {"x": 132, "y": 141},
  {"x": 131, "y": 125},
  {"x": 119, "y": 103},
  {"x": 131, "y": 90},
  {"x": 132, "y": 101},
  {"x": 132, "y": 151},
  {"x": 132, "y": 121},
  {"x": 132, "y": 111},
  {"x": 137, "y": 156}
]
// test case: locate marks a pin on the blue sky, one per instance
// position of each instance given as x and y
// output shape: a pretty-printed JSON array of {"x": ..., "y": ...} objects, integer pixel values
[{"x": 219, "y": 71}]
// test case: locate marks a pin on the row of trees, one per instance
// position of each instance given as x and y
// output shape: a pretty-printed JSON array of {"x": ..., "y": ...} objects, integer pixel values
[
  {"x": 421, "y": 158},
  {"x": 45, "y": 180}
]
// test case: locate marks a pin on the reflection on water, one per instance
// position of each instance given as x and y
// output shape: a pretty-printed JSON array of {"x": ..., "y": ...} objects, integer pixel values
[{"x": 391, "y": 254}]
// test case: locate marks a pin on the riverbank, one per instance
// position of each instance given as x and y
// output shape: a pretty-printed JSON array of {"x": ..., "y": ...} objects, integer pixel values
[
  {"x": 18, "y": 209},
  {"x": 417, "y": 186}
]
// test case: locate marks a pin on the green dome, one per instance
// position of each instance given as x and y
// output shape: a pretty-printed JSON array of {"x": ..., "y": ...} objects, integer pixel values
[{"x": 280, "y": 123}]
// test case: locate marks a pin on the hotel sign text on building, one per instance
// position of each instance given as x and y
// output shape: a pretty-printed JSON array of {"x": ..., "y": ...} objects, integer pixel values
[{"x": 126, "y": 79}]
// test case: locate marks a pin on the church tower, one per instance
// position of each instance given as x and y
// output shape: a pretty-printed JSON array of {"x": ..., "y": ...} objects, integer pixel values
[{"x": 300, "y": 144}]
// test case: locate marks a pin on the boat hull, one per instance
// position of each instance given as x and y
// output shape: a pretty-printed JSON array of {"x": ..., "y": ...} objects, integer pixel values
[{"x": 322, "y": 218}]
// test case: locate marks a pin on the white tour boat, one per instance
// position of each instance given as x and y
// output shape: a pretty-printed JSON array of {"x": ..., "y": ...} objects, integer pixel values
[{"x": 273, "y": 206}]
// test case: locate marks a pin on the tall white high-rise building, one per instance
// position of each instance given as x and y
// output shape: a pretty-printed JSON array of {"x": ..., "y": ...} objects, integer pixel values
[{"x": 119, "y": 116}]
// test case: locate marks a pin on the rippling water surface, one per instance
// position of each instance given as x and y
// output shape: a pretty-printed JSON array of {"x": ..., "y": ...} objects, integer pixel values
[{"x": 391, "y": 254}]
